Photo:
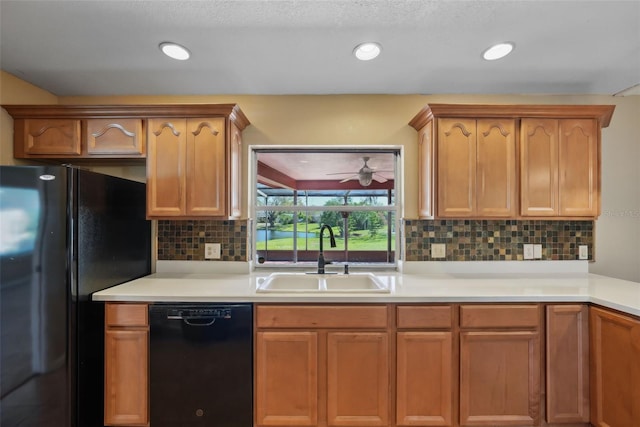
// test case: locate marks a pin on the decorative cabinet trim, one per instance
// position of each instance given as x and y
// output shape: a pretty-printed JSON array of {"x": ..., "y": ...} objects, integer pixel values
[{"x": 602, "y": 113}]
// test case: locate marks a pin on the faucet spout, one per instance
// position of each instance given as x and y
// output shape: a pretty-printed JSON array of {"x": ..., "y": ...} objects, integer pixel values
[{"x": 332, "y": 241}]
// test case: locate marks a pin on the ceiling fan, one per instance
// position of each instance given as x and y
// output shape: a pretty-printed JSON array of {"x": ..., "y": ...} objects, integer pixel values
[{"x": 365, "y": 175}]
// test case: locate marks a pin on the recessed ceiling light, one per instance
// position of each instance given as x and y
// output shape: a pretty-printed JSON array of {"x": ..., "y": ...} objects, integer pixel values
[
  {"x": 175, "y": 51},
  {"x": 498, "y": 51},
  {"x": 367, "y": 51}
]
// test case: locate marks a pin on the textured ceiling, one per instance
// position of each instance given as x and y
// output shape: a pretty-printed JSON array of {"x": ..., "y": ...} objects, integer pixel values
[{"x": 95, "y": 47}]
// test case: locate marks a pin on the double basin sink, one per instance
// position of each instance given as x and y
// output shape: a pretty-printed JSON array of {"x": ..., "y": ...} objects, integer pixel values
[{"x": 322, "y": 283}]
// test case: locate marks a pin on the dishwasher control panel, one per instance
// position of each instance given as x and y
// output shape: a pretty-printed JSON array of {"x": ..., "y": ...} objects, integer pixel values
[{"x": 199, "y": 313}]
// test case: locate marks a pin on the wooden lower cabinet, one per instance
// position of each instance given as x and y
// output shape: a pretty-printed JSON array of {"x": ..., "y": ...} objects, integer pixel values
[
  {"x": 500, "y": 365},
  {"x": 287, "y": 378},
  {"x": 357, "y": 379},
  {"x": 126, "y": 394},
  {"x": 424, "y": 378},
  {"x": 425, "y": 365},
  {"x": 614, "y": 369},
  {"x": 311, "y": 372},
  {"x": 567, "y": 364},
  {"x": 499, "y": 378}
]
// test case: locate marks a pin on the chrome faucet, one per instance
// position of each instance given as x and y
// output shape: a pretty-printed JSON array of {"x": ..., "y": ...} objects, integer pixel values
[{"x": 321, "y": 261}]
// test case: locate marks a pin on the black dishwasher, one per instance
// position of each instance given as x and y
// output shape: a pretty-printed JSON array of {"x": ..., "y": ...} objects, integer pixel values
[{"x": 201, "y": 365}]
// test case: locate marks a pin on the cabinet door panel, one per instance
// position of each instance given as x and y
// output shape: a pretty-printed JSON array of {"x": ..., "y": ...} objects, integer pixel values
[
  {"x": 615, "y": 369},
  {"x": 496, "y": 168},
  {"x": 52, "y": 137},
  {"x": 539, "y": 167},
  {"x": 499, "y": 378},
  {"x": 114, "y": 137},
  {"x": 426, "y": 171},
  {"x": 287, "y": 378},
  {"x": 424, "y": 379},
  {"x": 357, "y": 379},
  {"x": 126, "y": 377},
  {"x": 166, "y": 184},
  {"x": 578, "y": 163},
  {"x": 456, "y": 167},
  {"x": 235, "y": 172},
  {"x": 205, "y": 173},
  {"x": 567, "y": 364}
]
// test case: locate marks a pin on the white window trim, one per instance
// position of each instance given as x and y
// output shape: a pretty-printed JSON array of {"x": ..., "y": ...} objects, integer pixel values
[{"x": 397, "y": 207}]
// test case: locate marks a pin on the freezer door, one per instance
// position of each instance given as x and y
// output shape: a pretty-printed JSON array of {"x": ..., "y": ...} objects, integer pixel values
[{"x": 34, "y": 358}]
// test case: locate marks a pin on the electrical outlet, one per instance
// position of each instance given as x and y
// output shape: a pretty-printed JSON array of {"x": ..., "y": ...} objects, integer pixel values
[
  {"x": 438, "y": 250},
  {"x": 583, "y": 252},
  {"x": 528, "y": 251},
  {"x": 537, "y": 251},
  {"x": 212, "y": 251}
]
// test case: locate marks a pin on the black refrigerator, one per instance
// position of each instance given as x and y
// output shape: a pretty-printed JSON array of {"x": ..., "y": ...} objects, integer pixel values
[{"x": 65, "y": 233}]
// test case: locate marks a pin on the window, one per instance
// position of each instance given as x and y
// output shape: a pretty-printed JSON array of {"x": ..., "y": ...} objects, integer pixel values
[{"x": 296, "y": 191}]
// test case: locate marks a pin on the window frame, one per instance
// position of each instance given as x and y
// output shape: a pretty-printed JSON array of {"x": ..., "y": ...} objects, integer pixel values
[{"x": 396, "y": 207}]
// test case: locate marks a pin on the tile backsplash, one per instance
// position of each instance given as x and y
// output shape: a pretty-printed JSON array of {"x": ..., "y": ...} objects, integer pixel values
[
  {"x": 184, "y": 240},
  {"x": 496, "y": 240},
  {"x": 466, "y": 240}
]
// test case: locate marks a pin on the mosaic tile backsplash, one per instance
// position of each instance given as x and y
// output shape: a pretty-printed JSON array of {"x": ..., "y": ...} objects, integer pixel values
[
  {"x": 496, "y": 240},
  {"x": 466, "y": 240},
  {"x": 184, "y": 240}
]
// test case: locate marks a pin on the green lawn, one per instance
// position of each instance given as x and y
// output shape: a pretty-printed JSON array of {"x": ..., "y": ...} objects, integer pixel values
[{"x": 359, "y": 240}]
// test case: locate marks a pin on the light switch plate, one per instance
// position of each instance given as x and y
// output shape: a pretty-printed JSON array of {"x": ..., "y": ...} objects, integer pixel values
[
  {"x": 438, "y": 250},
  {"x": 212, "y": 251},
  {"x": 528, "y": 251},
  {"x": 583, "y": 252}
]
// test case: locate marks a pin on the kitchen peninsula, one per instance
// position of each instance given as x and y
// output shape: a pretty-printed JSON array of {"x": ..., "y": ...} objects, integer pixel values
[{"x": 430, "y": 351}]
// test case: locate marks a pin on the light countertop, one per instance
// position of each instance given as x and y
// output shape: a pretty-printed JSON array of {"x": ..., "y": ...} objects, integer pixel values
[{"x": 414, "y": 285}]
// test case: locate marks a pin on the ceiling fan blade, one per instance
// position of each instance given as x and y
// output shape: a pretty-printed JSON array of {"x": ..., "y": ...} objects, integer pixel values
[
  {"x": 339, "y": 173},
  {"x": 349, "y": 179},
  {"x": 379, "y": 178}
]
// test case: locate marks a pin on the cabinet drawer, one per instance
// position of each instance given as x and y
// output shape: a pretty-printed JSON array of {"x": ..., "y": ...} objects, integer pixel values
[
  {"x": 499, "y": 316},
  {"x": 317, "y": 316},
  {"x": 126, "y": 315},
  {"x": 425, "y": 316}
]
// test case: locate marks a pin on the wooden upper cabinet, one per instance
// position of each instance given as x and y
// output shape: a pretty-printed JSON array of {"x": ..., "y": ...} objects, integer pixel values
[
  {"x": 194, "y": 163},
  {"x": 539, "y": 167},
  {"x": 47, "y": 137},
  {"x": 559, "y": 167},
  {"x": 578, "y": 168},
  {"x": 476, "y": 168},
  {"x": 107, "y": 137},
  {"x": 235, "y": 171},
  {"x": 76, "y": 132},
  {"x": 206, "y": 179},
  {"x": 426, "y": 171},
  {"x": 456, "y": 148},
  {"x": 166, "y": 164},
  {"x": 478, "y": 165},
  {"x": 496, "y": 185},
  {"x": 186, "y": 167}
]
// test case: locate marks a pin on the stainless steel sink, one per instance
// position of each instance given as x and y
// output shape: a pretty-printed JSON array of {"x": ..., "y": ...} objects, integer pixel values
[{"x": 322, "y": 283}]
